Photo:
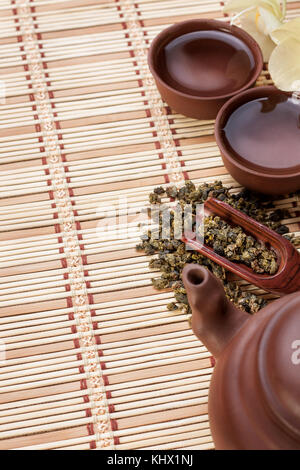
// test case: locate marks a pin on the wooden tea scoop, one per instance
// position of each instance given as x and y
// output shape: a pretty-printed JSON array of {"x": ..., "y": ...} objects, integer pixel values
[{"x": 287, "y": 278}]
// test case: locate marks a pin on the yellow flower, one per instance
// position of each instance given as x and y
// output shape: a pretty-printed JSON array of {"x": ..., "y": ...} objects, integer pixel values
[{"x": 279, "y": 41}]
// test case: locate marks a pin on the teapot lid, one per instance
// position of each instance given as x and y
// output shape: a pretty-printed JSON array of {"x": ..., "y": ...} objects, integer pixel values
[{"x": 279, "y": 366}]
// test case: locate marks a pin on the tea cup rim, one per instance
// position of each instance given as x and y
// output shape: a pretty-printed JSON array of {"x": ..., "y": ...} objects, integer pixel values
[
  {"x": 170, "y": 33},
  {"x": 226, "y": 111}
]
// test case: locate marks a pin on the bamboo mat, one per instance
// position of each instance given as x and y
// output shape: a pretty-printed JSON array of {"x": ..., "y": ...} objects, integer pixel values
[{"x": 94, "y": 360}]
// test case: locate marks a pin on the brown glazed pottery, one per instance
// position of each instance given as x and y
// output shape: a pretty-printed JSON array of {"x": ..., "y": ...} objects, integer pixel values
[
  {"x": 201, "y": 63},
  {"x": 254, "y": 397},
  {"x": 258, "y": 133},
  {"x": 285, "y": 280}
]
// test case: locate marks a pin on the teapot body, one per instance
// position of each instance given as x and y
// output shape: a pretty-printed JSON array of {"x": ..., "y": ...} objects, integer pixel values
[
  {"x": 255, "y": 404},
  {"x": 254, "y": 397}
]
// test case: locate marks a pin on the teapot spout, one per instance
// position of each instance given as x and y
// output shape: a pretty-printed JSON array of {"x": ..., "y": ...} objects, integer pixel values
[{"x": 215, "y": 320}]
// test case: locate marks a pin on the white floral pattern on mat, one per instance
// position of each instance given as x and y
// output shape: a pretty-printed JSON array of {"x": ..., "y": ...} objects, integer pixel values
[{"x": 82, "y": 313}]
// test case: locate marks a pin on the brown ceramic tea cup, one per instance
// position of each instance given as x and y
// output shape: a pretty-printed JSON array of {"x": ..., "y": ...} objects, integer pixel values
[
  {"x": 199, "y": 64},
  {"x": 258, "y": 134}
]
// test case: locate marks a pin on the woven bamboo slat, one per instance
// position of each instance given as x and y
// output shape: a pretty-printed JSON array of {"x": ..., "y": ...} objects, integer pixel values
[{"x": 93, "y": 357}]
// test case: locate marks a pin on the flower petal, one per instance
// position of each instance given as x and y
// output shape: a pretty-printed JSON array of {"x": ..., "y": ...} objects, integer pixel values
[
  {"x": 248, "y": 22},
  {"x": 287, "y": 30},
  {"x": 284, "y": 65},
  {"x": 236, "y": 6},
  {"x": 267, "y": 21}
]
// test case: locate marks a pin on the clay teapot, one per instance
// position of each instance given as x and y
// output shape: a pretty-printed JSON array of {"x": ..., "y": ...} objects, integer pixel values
[{"x": 254, "y": 397}]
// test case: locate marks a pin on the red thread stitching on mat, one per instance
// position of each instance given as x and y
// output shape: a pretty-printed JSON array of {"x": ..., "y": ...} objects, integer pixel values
[
  {"x": 61, "y": 250},
  {"x": 37, "y": 125},
  {"x": 168, "y": 110},
  {"x": 83, "y": 383},
  {"x": 140, "y": 83},
  {"x": 148, "y": 112},
  {"x": 177, "y": 143},
  {"x": 222, "y": 4},
  {"x": 114, "y": 424}
]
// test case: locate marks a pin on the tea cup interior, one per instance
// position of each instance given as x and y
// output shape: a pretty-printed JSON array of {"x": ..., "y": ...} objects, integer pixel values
[
  {"x": 205, "y": 58},
  {"x": 260, "y": 129}
]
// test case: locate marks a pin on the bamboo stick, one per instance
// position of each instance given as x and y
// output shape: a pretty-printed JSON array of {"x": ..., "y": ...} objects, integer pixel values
[
  {"x": 137, "y": 432},
  {"x": 191, "y": 433},
  {"x": 70, "y": 11},
  {"x": 86, "y": 447},
  {"x": 159, "y": 399},
  {"x": 42, "y": 402},
  {"x": 56, "y": 445},
  {"x": 76, "y": 20},
  {"x": 130, "y": 345},
  {"x": 201, "y": 443},
  {"x": 105, "y": 268},
  {"x": 120, "y": 397},
  {"x": 50, "y": 322},
  {"x": 160, "y": 407},
  {"x": 32, "y": 276},
  {"x": 145, "y": 365},
  {"x": 208, "y": 446},
  {"x": 79, "y": 165},
  {"x": 48, "y": 338},
  {"x": 39, "y": 416},
  {"x": 189, "y": 384},
  {"x": 108, "y": 327},
  {"x": 41, "y": 341},
  {"x": 45, "y": 427},
  {"x": 53, "y": 404},
  {"x": 39, "y": 377},
  {"x": 134, "y": 358},
  {"x": 140, "y": 362},
  {"x": 44, "y": 383},
  {"x": 149, "y": 5},
  {"x": 113, "y": 272},
  {"x": 50, "y": 415}
]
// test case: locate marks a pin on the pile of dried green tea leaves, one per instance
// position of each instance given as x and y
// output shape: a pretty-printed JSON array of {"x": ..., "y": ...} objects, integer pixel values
[
  {"x": 171, "y": 255},
  {"x": 235, "y": 245}
]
